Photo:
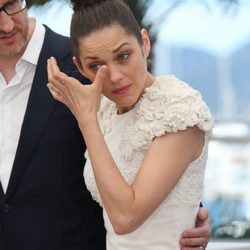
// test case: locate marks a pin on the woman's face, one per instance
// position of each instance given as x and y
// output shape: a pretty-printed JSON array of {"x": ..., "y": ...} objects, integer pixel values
[{"x": 126, "y": 60}]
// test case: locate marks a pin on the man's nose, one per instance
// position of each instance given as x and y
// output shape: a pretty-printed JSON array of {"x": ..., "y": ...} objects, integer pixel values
[{"x": 6, "y": 23}]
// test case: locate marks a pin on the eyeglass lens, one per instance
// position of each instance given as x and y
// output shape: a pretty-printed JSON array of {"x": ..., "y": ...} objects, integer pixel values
[{"x": 14, "y": 6}]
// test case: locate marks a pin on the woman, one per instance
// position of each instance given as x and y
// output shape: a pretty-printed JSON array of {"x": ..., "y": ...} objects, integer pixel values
[{"x": 147, "y": 138}]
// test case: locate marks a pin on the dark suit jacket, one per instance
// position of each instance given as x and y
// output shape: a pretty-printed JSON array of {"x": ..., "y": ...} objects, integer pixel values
[{"x": 46, "y": 205}]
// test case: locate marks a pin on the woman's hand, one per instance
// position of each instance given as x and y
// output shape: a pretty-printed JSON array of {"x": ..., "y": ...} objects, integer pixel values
[
  {"x": 197, "y": 238},
  {"x": 82, "y": 100}
]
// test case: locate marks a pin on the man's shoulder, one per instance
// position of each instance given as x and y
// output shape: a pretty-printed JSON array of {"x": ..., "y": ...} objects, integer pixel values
[
  {"x": 54, "y": 33},
  {"x": 51, "y": 35},
  {"x": 55, "y": 44}
]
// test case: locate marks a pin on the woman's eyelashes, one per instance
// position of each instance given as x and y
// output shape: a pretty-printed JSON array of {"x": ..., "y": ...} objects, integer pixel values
[
  {"x": 123, "y": 56},
  {"x": 120, "y": 59},
  {"x": 95, "y": 66}
]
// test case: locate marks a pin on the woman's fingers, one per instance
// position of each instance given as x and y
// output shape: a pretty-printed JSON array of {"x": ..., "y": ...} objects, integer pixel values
[
  {"x": 56, "y": 93},
  {"x": 55, "y": 76},
  {"x": 54, "y": 89},
  {"x": 60, "y": 83},
  {"x": 100, "y": 77},
  {"x": 77, "y": 97},
  {"x": 54, "y": 72}
]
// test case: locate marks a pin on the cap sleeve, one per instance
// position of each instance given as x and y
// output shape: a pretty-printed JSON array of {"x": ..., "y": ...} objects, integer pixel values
[{"x": 173, "y": 105}]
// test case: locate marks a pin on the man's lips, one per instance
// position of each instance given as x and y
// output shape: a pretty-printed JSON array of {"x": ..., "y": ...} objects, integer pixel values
[
  {"x": 122, "y": 90},
  {"x": 7, "y": 36}
]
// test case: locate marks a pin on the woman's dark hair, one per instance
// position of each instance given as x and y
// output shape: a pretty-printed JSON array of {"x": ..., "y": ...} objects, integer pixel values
[{"x": 93, "y": 15}]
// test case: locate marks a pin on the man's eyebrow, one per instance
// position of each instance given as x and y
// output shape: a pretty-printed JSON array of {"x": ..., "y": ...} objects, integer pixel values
[{"x": 8, "y": 2}]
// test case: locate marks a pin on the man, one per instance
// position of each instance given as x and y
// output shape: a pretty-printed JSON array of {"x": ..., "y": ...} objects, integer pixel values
[{"x": 44, "y": 204}]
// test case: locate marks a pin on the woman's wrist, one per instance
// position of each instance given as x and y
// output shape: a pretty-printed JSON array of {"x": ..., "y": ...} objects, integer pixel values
[{"x": 88, "y": 123}]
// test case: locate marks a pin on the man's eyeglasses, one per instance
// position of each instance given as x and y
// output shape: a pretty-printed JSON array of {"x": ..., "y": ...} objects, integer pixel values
[{"x": 13, "y": 7}]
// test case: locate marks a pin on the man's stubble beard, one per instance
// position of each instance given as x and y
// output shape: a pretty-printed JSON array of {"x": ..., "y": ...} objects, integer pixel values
[{"x": 20, "y": 47}]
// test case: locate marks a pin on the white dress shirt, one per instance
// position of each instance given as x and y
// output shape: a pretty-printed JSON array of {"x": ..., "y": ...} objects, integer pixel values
[{"x": 13, "y": 101}]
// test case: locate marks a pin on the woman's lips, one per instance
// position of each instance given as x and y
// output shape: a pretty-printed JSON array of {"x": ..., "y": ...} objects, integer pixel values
[{"x": 122, "y": 90}]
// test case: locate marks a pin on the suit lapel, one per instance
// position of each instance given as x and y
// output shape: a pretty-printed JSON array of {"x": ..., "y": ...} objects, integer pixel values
[
  {"x": 39, "y": 108},
  {"x": 1, "y": 195}
]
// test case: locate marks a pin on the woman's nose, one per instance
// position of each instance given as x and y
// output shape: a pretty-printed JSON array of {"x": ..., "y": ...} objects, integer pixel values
[{"x": 115, "y": 73}]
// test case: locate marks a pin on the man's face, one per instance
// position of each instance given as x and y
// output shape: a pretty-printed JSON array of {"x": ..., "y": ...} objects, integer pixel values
[{"x": 13, "y": 30}]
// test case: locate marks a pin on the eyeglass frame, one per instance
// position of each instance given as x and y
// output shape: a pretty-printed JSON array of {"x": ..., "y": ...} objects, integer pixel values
[{"x": 3, "y": 8}]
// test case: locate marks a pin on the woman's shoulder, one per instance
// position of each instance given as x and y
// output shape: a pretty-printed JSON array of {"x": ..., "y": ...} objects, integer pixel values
[
  {"x": 171, "y": 88},
  {"x": 175, "y": 105}
]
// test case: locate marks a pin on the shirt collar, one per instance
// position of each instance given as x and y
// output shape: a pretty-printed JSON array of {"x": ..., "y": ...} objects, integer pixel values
[{"x": 34, "y": 47}]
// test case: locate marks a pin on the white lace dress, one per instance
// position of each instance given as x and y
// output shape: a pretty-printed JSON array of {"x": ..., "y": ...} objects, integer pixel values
[{"x": 168, "y": 105}]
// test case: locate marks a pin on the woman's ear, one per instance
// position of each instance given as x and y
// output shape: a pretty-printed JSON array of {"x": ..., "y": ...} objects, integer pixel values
[
  {"x": 78, "y": 65},
  {"x": 146, "y": 46}
]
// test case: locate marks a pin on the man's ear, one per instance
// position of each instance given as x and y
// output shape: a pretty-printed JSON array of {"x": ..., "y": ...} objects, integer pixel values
[
  {"x": 79, "y": 66},
  {"x": 146, "y": 46}
]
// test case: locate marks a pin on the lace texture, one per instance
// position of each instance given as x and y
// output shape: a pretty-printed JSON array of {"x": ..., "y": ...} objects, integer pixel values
[{"x": 168, "y": 105}]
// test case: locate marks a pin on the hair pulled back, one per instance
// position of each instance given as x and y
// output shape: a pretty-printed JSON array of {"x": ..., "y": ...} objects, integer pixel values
[
  {"x": 93, "y": 15},
  {"x": 78, "y": 4}
]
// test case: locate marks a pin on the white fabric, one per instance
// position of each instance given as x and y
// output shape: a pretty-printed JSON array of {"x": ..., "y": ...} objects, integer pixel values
[
  {"x": 13, "y": 101},
  {"x": 168, "y": 105}
]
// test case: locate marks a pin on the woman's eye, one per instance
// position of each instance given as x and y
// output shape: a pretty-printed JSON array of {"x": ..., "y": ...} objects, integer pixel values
[
  {"x": 123, "y": 57},
  {"x": 95, "y": 67}
]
